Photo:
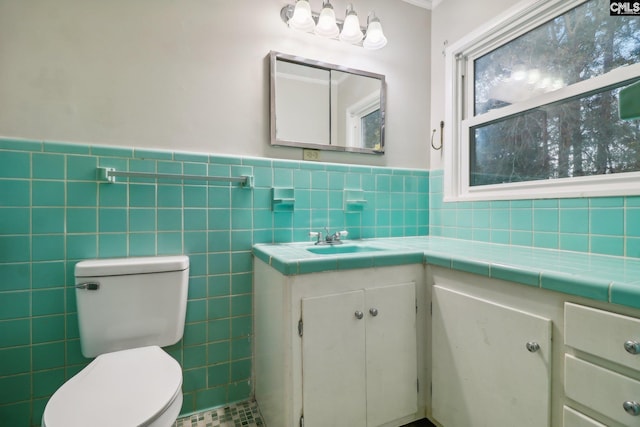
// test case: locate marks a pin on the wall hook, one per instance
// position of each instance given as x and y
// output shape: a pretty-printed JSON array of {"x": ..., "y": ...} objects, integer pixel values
[{"x": 441, "y": 136}]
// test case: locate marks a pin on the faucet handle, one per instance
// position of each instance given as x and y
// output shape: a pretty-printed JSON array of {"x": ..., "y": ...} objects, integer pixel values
[
  {"x": 342, "y": 233},
  {"x": 317, "y": 235}
]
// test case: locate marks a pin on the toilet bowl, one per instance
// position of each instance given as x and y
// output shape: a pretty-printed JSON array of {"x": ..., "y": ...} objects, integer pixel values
[{"x": 137, "y": 387}]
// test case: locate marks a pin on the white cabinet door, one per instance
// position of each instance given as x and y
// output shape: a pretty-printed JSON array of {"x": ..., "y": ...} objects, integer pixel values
[
  {"x": 391, "y": 353},
  {"x": 359, "y": 357},
  {"x": 333, "y": 360},
  {"x": 483, "y": 373}
]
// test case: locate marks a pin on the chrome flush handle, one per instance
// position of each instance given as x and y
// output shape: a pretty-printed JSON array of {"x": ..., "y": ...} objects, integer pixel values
[{"x": 89, "y": 286}]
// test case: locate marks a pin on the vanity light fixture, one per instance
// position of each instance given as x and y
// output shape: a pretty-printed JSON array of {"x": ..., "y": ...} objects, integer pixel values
[
  {"x": 351, "y": 32},
  {"x": 300, "y": 17},
  {"x": 375, "y": 37},
  {"x": 327, "y": 25}
]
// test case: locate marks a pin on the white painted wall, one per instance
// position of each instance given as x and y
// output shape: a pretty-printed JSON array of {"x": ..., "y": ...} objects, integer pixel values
[
  {"x": 452, "y": 20},
  {"x": 192, "y": 74}
]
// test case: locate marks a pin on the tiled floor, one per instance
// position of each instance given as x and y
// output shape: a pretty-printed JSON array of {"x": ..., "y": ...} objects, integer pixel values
[{"x": 243, "y": 414}]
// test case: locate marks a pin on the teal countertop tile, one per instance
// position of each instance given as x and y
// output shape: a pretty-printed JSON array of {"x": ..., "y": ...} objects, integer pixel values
[
  {"x": 626, "y": 294},
  {"x": 606, "y": 278}
]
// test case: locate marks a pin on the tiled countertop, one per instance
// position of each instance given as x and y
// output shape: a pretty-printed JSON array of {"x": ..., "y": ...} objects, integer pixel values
[{"x": 598, "y": 277}]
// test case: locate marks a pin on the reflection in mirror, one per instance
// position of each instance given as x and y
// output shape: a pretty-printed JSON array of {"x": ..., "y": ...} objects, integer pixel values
[{"x": 323, "y": 106}]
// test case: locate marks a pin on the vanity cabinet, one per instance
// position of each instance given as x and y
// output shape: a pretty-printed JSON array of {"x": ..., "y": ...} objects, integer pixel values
[
  {"x": 340, "y": 348},
  {"x": 491, "y": 363},
  {"x": 359, "y": 358},
  {"x": 602, "y": 365}
]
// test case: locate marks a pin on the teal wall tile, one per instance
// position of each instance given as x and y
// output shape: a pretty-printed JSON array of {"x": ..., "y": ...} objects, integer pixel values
[
  {"x": 48, "y": 247},
  {"x": 195, "y": 196},
  {"x": 47, "y": 220},
  {"x": 20, "y": 144},
  {"x": 142, "y": 195},
  {"x": 82, "y": 168},
  {"x": 607, "y": 221},
  {"x": 15, "y": 332},
  {"x": 45, "y": 383},
  {"x": 48, "y": 193},
  {"x": 15, "y": 192},
  {"x": 14, "y": 221},
  {"x": 15, "y": 388},
  {"x": 48, "y": 166},
  {"x": 48, "y": 328},
  {"x": 170, "y": 243},
  {"x": 15, "y": 164},
  {"x": 112, "y": 195},
  {"x": 47, "y": 301},
  {"x": 142, "y": 244},
  {"x": 112, "y": 245},
  {"x": 632, "y": 222},
  {"x": 82, "y": 220},
  {"x": 15, "y": 248},
  {"x": 607, "y": 245},
  {"x": 15, "y": 360},
  {"x": 169, "y": 219},
  {"x": 170, "y": 196},
  {"x": 574, "y": 221},
  {"x": 545, "y": 220},
  {"x": 82, "y": 194},
  {"x": 112, "y": 220},
  {"x": 61, "y": 147},
  {"x": 47, "y": 274},
  {"x": 143, "y": 219},
  {"x": 82, "y": 246}
]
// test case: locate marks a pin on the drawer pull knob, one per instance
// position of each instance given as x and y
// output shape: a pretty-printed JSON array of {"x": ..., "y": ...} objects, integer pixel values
[
  {"x": 632, "y": 408},
  {"x": 632, "y": 347},
  {"x": 373, "y": 311},
  {"x": 533, "y": 346},
  {"x": 359, "y": 314}
]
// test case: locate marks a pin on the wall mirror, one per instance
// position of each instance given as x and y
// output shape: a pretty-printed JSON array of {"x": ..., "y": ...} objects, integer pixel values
[{"x": 325, "y": 106}]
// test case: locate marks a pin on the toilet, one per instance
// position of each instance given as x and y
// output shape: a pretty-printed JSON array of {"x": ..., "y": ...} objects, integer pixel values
[{"x": 127, "y": 309}]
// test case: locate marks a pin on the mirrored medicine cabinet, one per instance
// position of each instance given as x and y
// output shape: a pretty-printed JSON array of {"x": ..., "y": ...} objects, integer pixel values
[{"x": 326, "y": 107}]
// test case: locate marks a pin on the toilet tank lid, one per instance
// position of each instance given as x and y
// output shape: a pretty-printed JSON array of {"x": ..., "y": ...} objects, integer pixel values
[{"x": 132, "y": 265}]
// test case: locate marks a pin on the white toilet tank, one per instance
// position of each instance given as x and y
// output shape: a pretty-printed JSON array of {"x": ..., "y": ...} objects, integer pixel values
[{"x": 127, "y": 303}]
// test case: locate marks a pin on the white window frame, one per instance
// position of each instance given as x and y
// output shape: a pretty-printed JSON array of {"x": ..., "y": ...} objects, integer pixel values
[
  {"x": 354, "y": 115},
  {"x": 459, "y": 108}
]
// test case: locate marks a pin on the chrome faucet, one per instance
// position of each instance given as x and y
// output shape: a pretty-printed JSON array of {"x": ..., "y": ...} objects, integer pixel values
[{"x": 329, "y": 239}]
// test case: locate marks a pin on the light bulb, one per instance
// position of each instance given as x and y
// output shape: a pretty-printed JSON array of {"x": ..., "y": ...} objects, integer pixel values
[
  {"x": 375, "y": 37},
  {"x": 327, "y": 26},
  {"x": 302, "y": 19},
  {"x": 351, "y": 32}
]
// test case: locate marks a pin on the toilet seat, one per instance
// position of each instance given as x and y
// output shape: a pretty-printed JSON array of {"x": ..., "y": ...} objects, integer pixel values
[{"x": 129, "y": 387}]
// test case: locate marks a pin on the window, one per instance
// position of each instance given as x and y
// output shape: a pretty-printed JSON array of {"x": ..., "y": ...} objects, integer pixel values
[
  {"x": 535, "y": 105},
  {"x": 364, "y": 119}
]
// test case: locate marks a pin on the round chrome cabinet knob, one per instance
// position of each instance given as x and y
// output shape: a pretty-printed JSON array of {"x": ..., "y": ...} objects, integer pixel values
[
  {"x": 359, "y": 314},
  {"x": 533, "y": 346},
  {"x": 632, "y": 347},
  {"x": 632, "y": 408},
  {"x": 373, "y": 311}
]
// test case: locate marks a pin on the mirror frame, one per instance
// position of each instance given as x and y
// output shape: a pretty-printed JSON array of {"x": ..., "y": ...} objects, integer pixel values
[{"x": 278, "y": 56}]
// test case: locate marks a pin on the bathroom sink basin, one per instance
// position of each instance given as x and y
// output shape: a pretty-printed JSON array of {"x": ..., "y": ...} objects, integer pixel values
[{"x": 342, "y": 249}]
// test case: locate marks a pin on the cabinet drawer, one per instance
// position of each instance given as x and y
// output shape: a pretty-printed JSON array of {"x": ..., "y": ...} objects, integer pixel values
[
  {"x": 600, "y": 389},
  {"x": 601, "y": 333},
  {"x": 572, "y": 418}
]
